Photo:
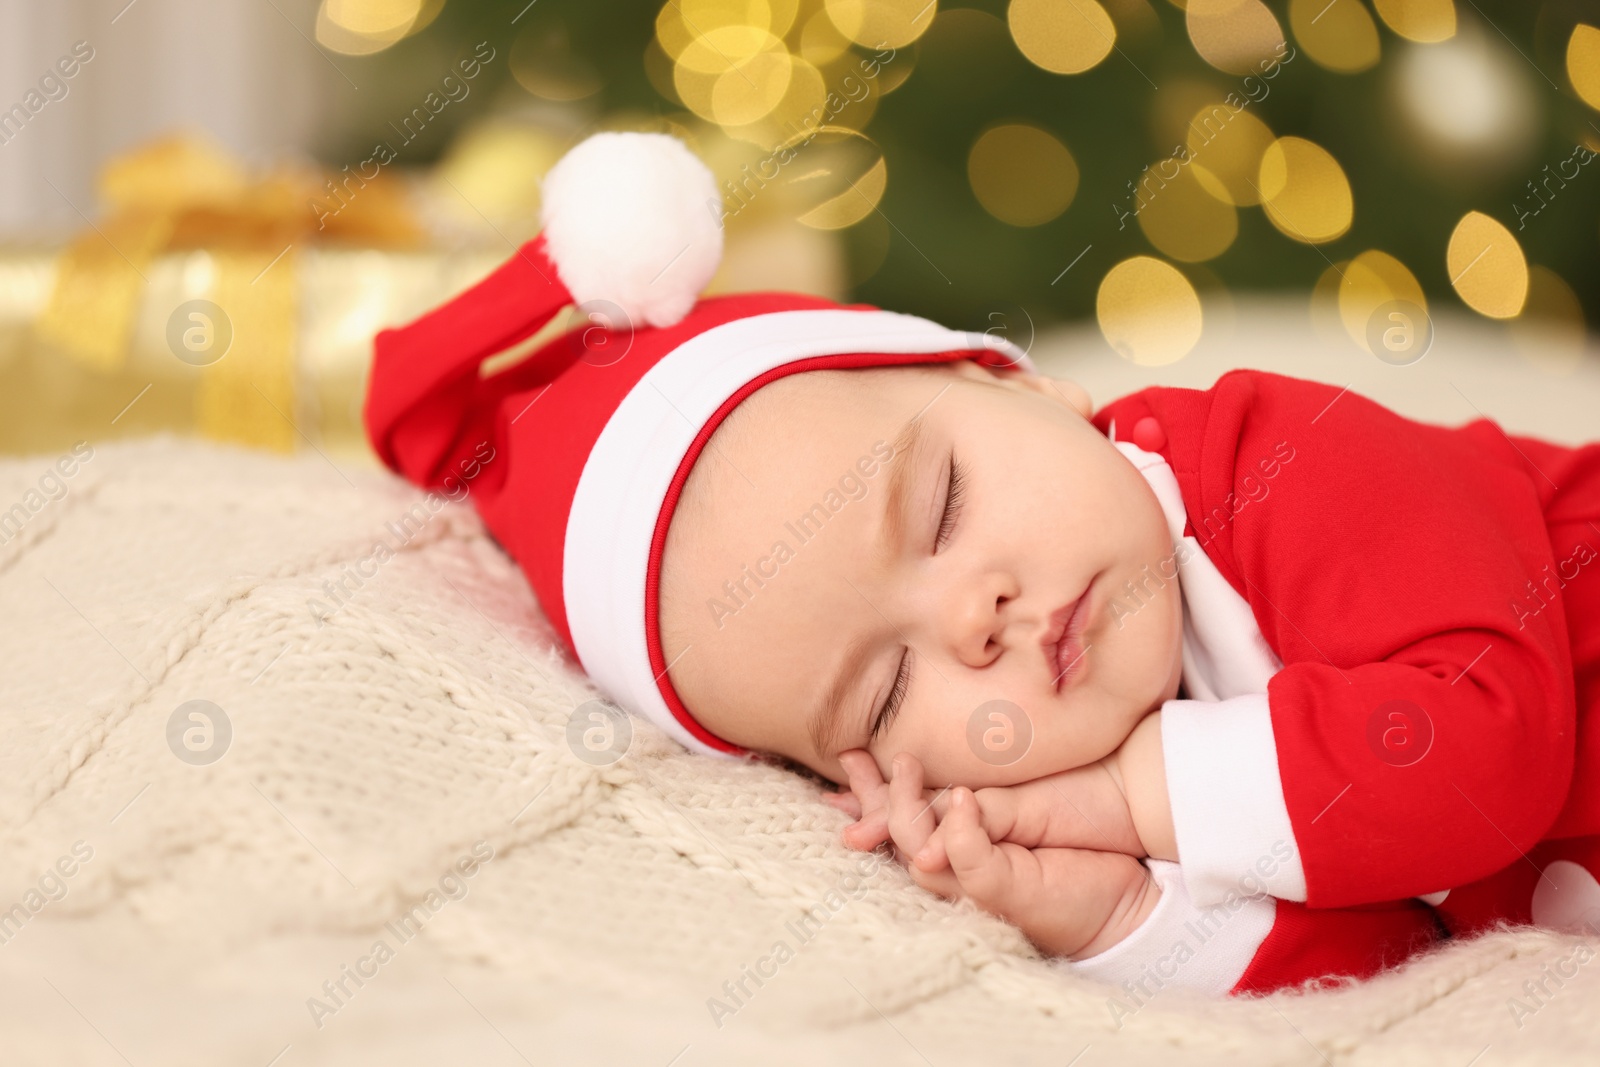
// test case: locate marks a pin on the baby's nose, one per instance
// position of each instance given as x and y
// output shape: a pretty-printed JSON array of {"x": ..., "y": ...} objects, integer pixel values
[{"x": 980, "y": 624}]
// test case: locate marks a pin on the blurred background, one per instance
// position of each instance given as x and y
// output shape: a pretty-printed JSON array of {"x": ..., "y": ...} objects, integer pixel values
[{"x": 209, "y": 208}]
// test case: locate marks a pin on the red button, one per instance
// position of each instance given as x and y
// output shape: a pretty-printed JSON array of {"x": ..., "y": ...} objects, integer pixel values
[{"x": 1148, "y": 434}]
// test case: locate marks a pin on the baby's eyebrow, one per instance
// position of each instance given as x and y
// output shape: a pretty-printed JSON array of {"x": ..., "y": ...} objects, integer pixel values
[
  {"x": 827, "y": 720},
  {"x": 903, "y": 462}
]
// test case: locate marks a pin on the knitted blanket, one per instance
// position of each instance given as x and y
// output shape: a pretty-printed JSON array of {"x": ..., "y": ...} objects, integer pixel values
[{"x": 290, "y": 773}]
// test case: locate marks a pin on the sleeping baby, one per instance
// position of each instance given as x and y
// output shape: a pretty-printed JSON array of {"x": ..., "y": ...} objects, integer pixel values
[{"x": 1235, "y": 689}]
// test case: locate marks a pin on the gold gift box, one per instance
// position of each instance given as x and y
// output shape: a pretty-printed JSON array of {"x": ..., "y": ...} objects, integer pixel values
[
  {"x": 301, "y": 386},
  {"x": 211, "y": 300},
  {"x": 236, "y": 306}
]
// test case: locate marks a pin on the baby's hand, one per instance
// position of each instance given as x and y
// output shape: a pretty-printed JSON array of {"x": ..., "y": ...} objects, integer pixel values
[
  {"x": 1080, "y": 808},
  {"x": 867, "y": 800},
  {"x": 1068, "y": 901},
  {"x": 1118, "y": 804}
]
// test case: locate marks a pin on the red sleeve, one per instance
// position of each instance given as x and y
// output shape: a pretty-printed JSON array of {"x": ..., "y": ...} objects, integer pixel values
[
  {"x": 1249, "y": 943},
  {"x": 1308, "y": 944},
  {"x": 1424, "y": 719}
]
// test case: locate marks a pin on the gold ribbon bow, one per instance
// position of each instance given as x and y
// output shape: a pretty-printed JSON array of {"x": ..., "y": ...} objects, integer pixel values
[{"x": 183, "y": 193}]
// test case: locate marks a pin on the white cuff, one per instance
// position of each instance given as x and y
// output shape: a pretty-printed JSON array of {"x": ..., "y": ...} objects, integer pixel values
[
  {"x": 1228, "y": 813},
  {"x": 1178, "y": 944}
]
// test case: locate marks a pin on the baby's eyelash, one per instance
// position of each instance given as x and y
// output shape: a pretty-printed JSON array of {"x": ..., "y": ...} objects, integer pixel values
[
  {"x": 897, "y": 695},
  {"x": 954, "y": 492},
  {"x": 952, "y": 503}
]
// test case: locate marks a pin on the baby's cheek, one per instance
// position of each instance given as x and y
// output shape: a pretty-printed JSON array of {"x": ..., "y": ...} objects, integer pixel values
[
  {"x": 953, "y": 758},
  {"x": 938, "y": 747}
]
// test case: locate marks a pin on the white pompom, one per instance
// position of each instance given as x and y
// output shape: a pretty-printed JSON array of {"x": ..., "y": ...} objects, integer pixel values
[{"x": 634, "y": 219}]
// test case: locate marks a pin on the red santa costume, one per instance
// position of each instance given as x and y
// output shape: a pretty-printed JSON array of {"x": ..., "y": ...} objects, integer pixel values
[
  {"x": 1391, "y": 665},
  {"x": 1391, "y": 639}
]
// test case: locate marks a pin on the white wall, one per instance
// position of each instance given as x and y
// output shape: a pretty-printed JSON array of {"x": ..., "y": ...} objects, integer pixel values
[{"x": 236, "y": 68}]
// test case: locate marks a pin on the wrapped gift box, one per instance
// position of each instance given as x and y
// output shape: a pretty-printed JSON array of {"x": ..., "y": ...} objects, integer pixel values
[{"x": 210, "y": 301}]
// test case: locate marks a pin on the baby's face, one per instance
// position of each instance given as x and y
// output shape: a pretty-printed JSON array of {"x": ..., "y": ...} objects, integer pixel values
[{"x": 821, "y": 592}]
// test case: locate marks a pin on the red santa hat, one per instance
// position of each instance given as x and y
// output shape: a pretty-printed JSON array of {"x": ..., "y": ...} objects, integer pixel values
[{"x": 575, "y": 456}]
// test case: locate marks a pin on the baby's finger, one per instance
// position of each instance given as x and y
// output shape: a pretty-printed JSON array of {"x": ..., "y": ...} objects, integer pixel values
[
  {"x": 942, "y": 882},
  {"x": 982, "y": 869},
  {"x": 932, "y": 855},
  {"x": 869, "y": 831},
  {"x": 871, "y": 828},
  {"x": 998, "y": 809},
  {"x": 911, "y": 818},
  {"x": 845, "y": 802},
  {"x": 865, "y": 778}
]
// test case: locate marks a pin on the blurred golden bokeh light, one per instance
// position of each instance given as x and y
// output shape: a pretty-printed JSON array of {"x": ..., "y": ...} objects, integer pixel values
[
  {"x": 1367, "y": 283},
  {"x": 1338, "y": 35},
  {"x": 1174, "y": 106},
  {"x": 820, "y": 40},
  {"x": 761, "y": 72},
  {"x": 852, "y": 205},
  {"x": 362, "y": 27},
  {"x": 373, "y": 18},
  {"x": 882, "y": 23},
  {"x": 835, "y": 178},
  {"x": 1022, "y": 175},
  {"x": 800, "y": 107},
  {"x": 1181, "y": 218},
  {"x": 1148, "y": 311},
  {"x": 1550, "y": 332},
  {"x": 727, "y": 48},
  {"x": 1062, "y": 36},
  {"x": 1470, "y": 96},
  {"x": 765, "y": 70},
  {"x": 1487, "y": 267},
  {"x": 1583, "y": 63},
  {"x": 1423, "y": 21},
  {"x": 734, "y": 75},
  {"x": 1233, "y": 35},
  {"x": 1304, "y": 191},
  {"x": 681, "y": 22},
  {"x": 1326, "y": 319},
  {"x": 749, "y": 92},
  {"x": 493, "y": 168},
  {"x": 1226, "y": 145}
]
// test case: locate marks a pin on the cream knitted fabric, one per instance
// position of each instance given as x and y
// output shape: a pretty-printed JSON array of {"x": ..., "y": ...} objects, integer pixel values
[{"x": 388, "y": 735}]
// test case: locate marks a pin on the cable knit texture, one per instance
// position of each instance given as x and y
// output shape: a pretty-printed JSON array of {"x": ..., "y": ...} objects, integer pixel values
[{"x": 380, "y": 734}]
